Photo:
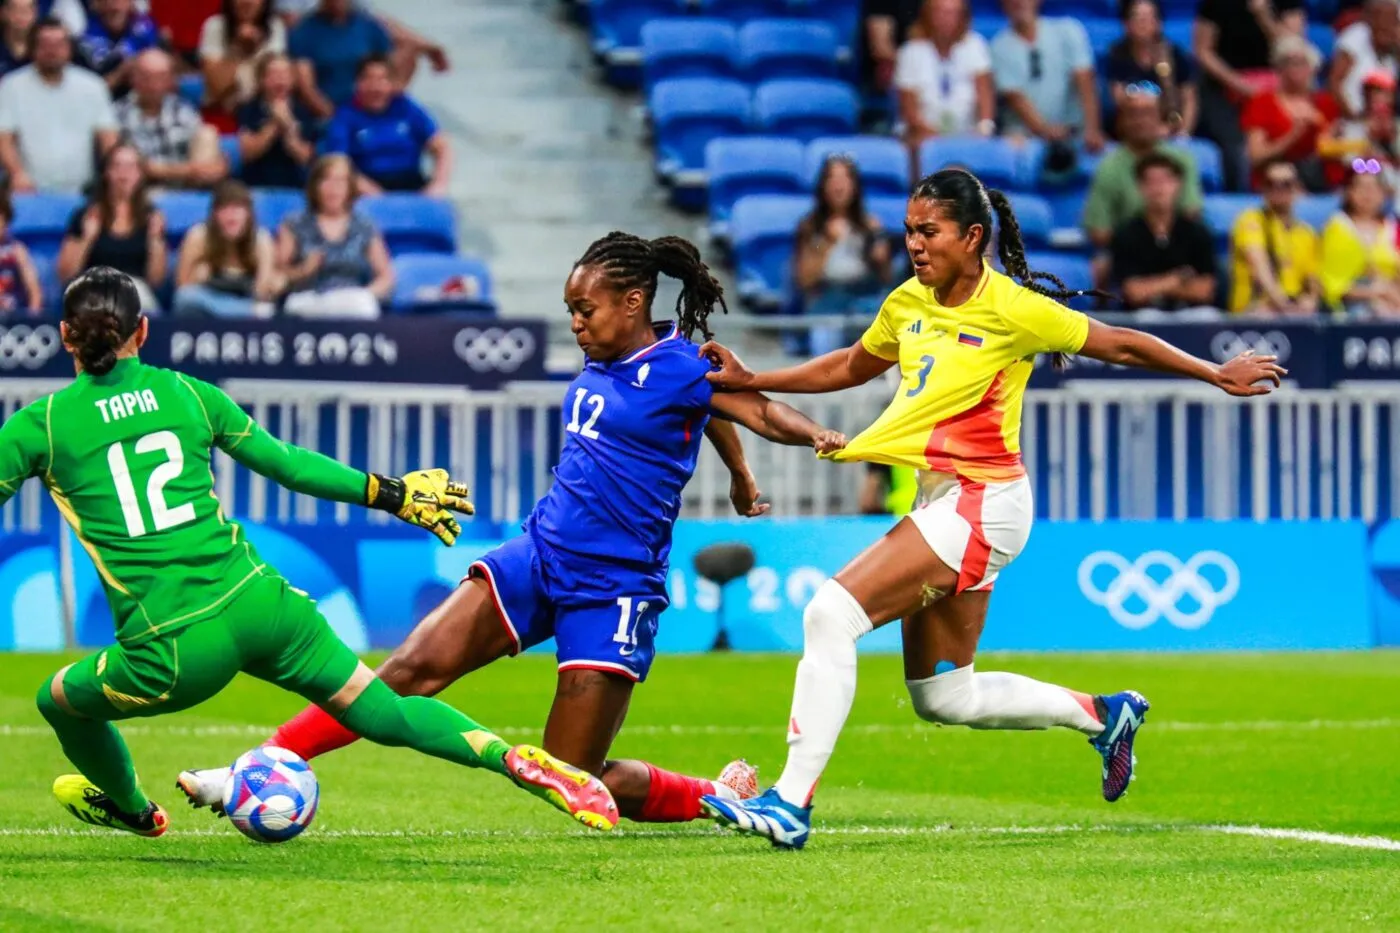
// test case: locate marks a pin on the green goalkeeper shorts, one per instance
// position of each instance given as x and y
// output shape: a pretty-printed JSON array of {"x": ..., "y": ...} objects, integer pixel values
[{"x": 270, "y": 630}]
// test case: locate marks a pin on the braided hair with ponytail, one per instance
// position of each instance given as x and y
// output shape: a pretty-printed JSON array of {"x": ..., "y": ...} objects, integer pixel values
[
  {"x": 629, "y": 261},
  {"x": 101, "y": 312},
  {"x": 966, "y": 201}
]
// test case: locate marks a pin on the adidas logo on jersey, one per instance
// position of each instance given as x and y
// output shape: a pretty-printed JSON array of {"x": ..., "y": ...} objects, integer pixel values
[
  {"x": 640, "y": 381},
  {"x": 916, "y": 327}
]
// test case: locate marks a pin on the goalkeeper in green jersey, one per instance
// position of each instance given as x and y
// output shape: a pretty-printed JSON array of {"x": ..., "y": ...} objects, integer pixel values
[{"x": 125, "y": 451}]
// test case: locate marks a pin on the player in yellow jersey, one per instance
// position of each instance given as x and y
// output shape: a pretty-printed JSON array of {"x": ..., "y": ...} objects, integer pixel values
[{"x": 965, "y": 338}]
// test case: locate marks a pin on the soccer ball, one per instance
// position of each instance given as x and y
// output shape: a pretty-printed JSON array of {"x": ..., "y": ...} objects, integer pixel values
[{"x": 271, "y": 794}]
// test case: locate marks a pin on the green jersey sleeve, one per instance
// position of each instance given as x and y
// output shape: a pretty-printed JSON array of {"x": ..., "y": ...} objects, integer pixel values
[
  {"x": 24, "y": 447},
  {"x": 298, "y": 469}
]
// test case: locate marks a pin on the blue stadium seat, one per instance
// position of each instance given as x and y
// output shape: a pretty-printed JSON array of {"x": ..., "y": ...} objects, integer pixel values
[
  {"x": 413, "y": 223},
  {"x": 741, "y": 11},
  {"x": 994, "y": 160},
  {"x": 805, "y": 110},
  {"x": 686, "y": 113},
  {"x": 1178, "y": 10},
  {"x": 49, "y": 285},
  {"x": 763, "y": 229},
  {"x": 232, "y": 153},
  {"x": 1034, "y": 217},
  {"x": 191, "y": 88},
  {"x": 1075, "y": 271},
  {"x": 1221, "y": 211},
  {"x": 41, "y": 219},
  {"x": 182, "y": 210},
  {"x": 437, "y": 282},
  {"x": 747, "y": 165},
  {"x": 688, "y": 48},
  {"x": 1103, "y": 32},
  {"x": 1208, "y": 162},
  {"x": 1324, "y": 37},
  {"x": 988, "y": 25},
  {"x": 1316, "y": 210},
  {"x": 889, "y": 210},
  {"x": 272, "y": 204},
  {"x": 1179, "y": 30},
  {"x": 842, "y": 15},
  {"x": 616, "y": 26},
  {"x": 787, "y": 48},
  {"x": 883, "y": 162}
]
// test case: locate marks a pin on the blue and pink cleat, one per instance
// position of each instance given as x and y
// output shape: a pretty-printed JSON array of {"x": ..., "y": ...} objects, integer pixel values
[{"x": 1124, "y": 714}]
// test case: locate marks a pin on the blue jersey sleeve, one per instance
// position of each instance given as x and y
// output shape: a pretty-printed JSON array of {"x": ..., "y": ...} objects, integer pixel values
[{"x": 422, "y": 122}]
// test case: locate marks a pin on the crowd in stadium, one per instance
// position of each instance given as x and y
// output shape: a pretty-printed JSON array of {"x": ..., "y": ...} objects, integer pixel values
[{"x": 149, "y": 129}]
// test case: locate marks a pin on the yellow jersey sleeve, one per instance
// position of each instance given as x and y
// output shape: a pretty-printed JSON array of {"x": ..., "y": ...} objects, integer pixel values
[
  {"x": 1051, "y": 327},
  {"x": 881, "y": 338},
  {"x": 1249, "y": 230}
]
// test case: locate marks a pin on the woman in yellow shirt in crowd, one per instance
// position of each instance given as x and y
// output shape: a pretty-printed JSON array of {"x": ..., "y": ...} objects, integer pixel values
[
  {"x": 1359, "y": 260},
  {"x": 1273, "y": 254}
]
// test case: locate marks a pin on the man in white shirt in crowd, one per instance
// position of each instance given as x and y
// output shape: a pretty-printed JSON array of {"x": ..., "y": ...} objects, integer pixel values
[
  {"x": 1044, "y": 69},
  {"x": 1369, "y": 44},
  {"x": 52, "y": 115}
]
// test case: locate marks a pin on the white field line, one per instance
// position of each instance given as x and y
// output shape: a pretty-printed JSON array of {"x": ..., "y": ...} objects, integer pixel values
[
  {"x": 1262, "y": 832},
  {"x": 1168, "y": 725}
]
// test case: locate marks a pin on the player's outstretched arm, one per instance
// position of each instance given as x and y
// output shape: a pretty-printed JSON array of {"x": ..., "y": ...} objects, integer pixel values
[
  {"x": 1246, "y": 374},
  {"x": 775, "y": 421},
  {"x": 422, "y": 498},
  {"x": 24, "y": 446},
  {"x": 830, "y": 372},
  {"x": 743, "y": 486}
]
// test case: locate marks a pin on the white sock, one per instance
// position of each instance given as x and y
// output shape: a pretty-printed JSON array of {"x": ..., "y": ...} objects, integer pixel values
[
  {"x": 997, "y": 700},
  {"x": 825, "y": 688}
]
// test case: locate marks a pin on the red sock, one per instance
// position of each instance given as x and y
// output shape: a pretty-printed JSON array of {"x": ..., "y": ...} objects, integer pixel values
[
  {"x": 311, "y": 732},
  {"x": 673, "y": 798}
]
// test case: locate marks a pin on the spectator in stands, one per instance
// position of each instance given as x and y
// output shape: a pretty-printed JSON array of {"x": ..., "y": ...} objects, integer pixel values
[
  {"x": 328, "y": 46},
  {"x": 944, "y": 77},
  {"x": 1232, "y": 40},
  {"x": 1366, "y": 46},
  {"x": 227, "y": 267},
  {"x": 51, "y": 115},
  {"x": 841, "y": 259},
  {"x": 19, "y": 281},
  {"x": 116, "y": 33},
  {"x": 1360, "y": 268},
  {"x": 118, "y": 227},
  {"x": 230, "y": 46},
  {"x": 1273, "y": 254},
  {"x": 333, "y": 259},
  {"x": 1161, "y": 259},
  {"x": 179, "y": 23},
  {"x": 386, "y": 134},
  {"x": 16, "y": 22},
  {"x": 1374, "y": 134},
  {"x": 1145, "y": 56},
  {"x": 409, "y": 46},
  {"x": 885, "y": 27},
  {"x": 272, "y": 130},
  {"x": 179, "y": 149},
  {"x": 1288, "y": 121},
  {"x": 1044, "y": 72},
  {"x": 1115, "y": 194}
]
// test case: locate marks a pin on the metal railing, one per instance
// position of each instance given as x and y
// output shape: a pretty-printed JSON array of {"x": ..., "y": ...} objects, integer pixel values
[{"x": 1135, "y": 449}]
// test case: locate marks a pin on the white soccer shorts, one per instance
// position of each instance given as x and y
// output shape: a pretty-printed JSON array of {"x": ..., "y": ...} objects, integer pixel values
[{"x": 974, "y": 528}]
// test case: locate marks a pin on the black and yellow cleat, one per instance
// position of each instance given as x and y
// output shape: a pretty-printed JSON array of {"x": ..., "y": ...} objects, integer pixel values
[
  {"x": 573, "y": 790},
  {"x": 86, "y": 801}
]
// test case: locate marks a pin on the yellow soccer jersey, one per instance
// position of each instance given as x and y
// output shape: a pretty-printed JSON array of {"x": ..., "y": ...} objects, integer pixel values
[{"x": 964, "y": 372}]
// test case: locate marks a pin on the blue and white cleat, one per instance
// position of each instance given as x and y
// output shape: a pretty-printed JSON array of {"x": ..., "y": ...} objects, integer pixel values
[
  {"x": 1124, "y": 716},
  {"x": 768, "y": 815}
]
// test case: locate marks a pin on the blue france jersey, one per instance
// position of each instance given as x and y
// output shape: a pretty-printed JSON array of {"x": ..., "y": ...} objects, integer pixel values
[{"x": 633, "y": 429}]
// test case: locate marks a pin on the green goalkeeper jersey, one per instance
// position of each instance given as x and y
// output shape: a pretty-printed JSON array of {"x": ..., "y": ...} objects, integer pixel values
[{"x": 126, "y": 456}]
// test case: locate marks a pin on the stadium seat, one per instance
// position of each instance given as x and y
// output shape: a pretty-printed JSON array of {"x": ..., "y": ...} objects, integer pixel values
[
  {"x": 762, "y": 229},
  {"x": 1179, "y": 30},
  {"x": 787, "y": 48},
  {"x": 805, "y": 110},
  {"x": 413, "y": 223},
  {"x": 688, "y": 48},
  {"x": 191, "y": 88},
  {"x": 988, "y": 25},
  {"x": 616, "y": 27},
  {"x": 843, "y": 16},
  {"x": 1075, "y": 271},
  {"x": 1208, "y": 163},
  {"x": 883, "y": 162},
  {"x": 889, "y": 210},
  {"x": 437, "y": 282},
  {"x": 741, "y": 11},
  {"x": 41, "y": 219},
  {"x": 995, "y": 160},
  {"x": 1103, "y": 32},
  {"x": 1324, "y": 37},
  {"x": 1316, "y": 210},
  {"x": 232, "y": 153},
  {"x": 47, "y": 274},
  {"x": 182, "y": 210},
  {"x": 1221, "y": 211},
  {"x": 686, "y": 113},
  {"x": 1034, "y": 217},
  {"x": 271, "y": 205},
  {"x": 747, "y": 165}
]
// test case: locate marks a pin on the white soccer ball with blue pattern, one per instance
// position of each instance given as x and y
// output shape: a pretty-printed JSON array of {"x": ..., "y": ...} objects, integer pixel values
[{"x": 271, "y": 794}]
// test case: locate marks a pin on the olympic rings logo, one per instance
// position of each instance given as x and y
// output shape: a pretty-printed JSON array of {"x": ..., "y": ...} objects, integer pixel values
[
  {"x": 25, "y": 347},
  {"x": 1160, "y": 599},
  {"x": 494, "y": 349},
  {"x": 1227, "y": 344}
]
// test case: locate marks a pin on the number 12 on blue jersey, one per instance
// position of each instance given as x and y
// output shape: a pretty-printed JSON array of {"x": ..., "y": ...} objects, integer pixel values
[{"x": 586, "y": 429}]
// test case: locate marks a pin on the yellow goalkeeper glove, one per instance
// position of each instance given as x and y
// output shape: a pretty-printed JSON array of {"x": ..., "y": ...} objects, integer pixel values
[{"x": 425, "y": 498}]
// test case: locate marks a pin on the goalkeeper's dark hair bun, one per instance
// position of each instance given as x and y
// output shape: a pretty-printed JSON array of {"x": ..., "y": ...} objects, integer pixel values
[{"x": 102, "y": 310}]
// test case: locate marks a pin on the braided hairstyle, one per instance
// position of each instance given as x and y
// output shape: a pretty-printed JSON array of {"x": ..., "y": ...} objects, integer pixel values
[
  {"x": 966, "y": 201},
  {"x": 629, "y": 262},
  {"x": 101, "y": 310}
]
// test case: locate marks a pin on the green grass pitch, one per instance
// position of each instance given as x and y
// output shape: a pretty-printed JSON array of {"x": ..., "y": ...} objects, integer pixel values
[{"x": 918, "y": 827}]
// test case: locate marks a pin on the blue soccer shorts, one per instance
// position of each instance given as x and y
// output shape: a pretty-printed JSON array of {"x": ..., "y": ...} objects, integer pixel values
[{"x": 602, "y": 616}]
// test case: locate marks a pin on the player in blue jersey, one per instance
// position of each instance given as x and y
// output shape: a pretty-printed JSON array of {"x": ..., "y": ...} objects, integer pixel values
[{"x": 590, "y": 568}]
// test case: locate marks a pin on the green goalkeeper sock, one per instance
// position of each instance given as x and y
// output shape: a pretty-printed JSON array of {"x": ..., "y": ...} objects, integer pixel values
[
  {"x": 98, "y": 751},
  {"x": 426, "y": 725}
]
